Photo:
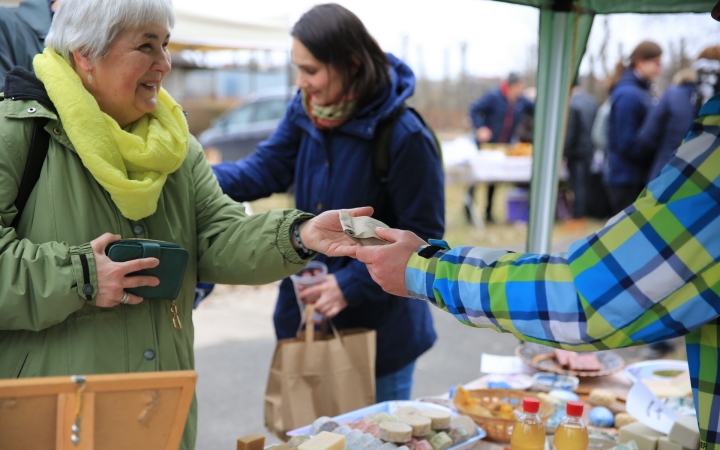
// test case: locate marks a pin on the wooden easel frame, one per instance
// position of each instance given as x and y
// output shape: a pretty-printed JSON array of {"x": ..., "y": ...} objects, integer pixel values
[{"x": 67, "y": 394}]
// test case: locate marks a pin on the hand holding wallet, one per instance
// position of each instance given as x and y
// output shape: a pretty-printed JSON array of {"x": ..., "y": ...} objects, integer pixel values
[{"x": 171, "y": 270}]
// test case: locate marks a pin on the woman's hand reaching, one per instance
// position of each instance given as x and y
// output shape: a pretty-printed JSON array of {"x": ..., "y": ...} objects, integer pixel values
[
  {"x": 113, "y": 277},
  {"x": 325, "y": 235}
]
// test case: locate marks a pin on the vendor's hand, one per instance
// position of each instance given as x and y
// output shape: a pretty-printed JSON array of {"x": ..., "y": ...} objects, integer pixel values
[
  {"x": 324, "y": 233},
  {"x": 112, "y": 276},
  {"x": 387, "y": 263},
  {"x": 484, "y": 134},
  {"x": 326, "y": 295}
]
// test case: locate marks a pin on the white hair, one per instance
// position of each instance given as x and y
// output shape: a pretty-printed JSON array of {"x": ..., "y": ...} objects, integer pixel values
[{"x": 90, "y": 26}]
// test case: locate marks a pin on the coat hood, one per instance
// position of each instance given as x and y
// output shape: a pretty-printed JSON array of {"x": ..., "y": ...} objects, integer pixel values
[
  {"x": 21, "y": 84},
  {"x": 383, "y": 105}
]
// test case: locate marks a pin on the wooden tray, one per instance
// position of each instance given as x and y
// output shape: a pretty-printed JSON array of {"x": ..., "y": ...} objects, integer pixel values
[
  {"x": 543, "y": 358},
  {"x": 117, "y": 411}
]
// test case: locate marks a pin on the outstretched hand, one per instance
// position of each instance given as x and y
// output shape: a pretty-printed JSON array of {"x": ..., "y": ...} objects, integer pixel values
[
  {"x": 387, "y": 263},
  {"x": 324, "y": 233}
]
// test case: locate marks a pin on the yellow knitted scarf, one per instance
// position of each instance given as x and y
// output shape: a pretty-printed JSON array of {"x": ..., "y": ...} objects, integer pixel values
[{"x": 132, "y": 166}]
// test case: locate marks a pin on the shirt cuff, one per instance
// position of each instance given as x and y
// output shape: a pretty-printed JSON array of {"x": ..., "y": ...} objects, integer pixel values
[
  {"x": 420, "y": 274},
  {"x": 85, "y": 272}
]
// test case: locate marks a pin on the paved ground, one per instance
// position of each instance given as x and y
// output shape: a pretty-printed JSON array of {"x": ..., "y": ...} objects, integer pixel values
[{"x": 234, "y": 342}]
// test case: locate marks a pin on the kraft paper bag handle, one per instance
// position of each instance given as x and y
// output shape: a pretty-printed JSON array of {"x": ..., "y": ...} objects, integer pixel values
[{"x": 308, "y": 319}]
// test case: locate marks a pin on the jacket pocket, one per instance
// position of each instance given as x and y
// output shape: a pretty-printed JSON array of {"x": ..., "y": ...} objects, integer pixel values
[{"x": 23, "y": 365}]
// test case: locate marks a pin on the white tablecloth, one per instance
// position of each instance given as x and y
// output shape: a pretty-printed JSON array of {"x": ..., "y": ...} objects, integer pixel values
[{"x": 464, "y": 164}]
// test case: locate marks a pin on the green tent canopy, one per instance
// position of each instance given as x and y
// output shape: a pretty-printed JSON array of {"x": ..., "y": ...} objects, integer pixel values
[{"x": 564, "y": 31}]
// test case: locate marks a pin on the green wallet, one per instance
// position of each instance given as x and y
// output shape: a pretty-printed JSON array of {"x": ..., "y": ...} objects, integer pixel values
[{"x": 170, "y": 271}]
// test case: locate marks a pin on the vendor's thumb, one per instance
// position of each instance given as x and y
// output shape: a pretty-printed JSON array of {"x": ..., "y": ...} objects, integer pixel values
[{"x": 390, "y": 234}]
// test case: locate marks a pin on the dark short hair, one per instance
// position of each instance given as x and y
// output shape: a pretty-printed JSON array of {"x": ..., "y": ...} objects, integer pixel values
[
  {"x": 334, "y": 35},
  {"x": 513, "y": 78}
]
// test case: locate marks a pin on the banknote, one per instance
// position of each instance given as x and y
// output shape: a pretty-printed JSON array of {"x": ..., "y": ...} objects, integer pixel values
[{"x": 362, "y": 229}]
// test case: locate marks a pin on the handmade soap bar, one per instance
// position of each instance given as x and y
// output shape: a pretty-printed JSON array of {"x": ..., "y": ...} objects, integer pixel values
[
  {"x": 364, "y": 440},
  {"x": 395, "y": 432},
  {"x": 297, "y": 440},
  {"x": 253, "y": 441},
  {"x": 664, "y": 443},
  {"x": 423, "y": 445},
  {"x": 323, "y": 424},
  {"x": 407, "y": 410},
  {"x": 685, "y": 432},
  {"x": 645, "y": 438},
  {"x": 421, "y": 425},
  {"x": 375, "y": 444},
  {"x": 344, "y": 430},
  {"x": 622, "y": 419},
  {"x": 441, "y": 441},
  {"x": 353, "y": 436},
  {"x": 324, "y": 441},
  {"x": 600, "y": 416},
  {"x": 440, "y": 419},
  {"x": 388, "y": 446}
]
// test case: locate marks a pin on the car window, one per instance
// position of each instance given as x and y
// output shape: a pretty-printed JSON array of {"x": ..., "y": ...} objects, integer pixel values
[
  {"x": 241, "y": 116},
  {"x": 270, "y": 110}
]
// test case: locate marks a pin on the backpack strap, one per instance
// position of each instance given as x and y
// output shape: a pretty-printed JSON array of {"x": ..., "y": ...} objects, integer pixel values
[
  {"x": 381, "y": 145},
  {"x": 383, "y": 137},
  {"x": 39, "y": 144}
]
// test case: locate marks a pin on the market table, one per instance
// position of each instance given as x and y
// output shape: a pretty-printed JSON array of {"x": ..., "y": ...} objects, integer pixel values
[{"x": 466, "y": 165}]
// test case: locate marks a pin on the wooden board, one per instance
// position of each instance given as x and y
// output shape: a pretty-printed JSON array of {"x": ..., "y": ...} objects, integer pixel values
[{"x": 118, "y": 411}]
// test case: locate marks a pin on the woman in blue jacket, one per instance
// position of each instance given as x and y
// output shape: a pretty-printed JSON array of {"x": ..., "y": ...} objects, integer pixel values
[
  {"x": 324, "y": 146},
  {"x": 666, "y": 125},
  {"x": 628, "y": 165}
]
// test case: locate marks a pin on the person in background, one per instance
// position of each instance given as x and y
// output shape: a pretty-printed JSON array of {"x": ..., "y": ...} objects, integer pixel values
[
  {"x": 579, "y": 151},
  {"x": 708, "y": 72},
  {"x": 325, "y": 145},
  {"x": 495, "y": 117},
  {"x": 667, "y": 123},
  {"x": 22, "y": 33},
  {"x": 627, "y": 166}
]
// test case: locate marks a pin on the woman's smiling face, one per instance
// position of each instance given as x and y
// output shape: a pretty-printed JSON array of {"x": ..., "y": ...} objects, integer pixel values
[{"x": 127, "y": 80}]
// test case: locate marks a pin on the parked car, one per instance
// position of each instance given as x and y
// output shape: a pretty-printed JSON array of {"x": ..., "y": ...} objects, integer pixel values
[{"x": 236, "y": 133}]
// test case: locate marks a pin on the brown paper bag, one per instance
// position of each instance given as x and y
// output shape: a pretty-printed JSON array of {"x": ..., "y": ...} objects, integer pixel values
[{"x": 319, "y": 374}]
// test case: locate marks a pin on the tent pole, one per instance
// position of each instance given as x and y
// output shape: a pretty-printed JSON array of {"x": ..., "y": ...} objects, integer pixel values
[{"x": 550, "y": 117}]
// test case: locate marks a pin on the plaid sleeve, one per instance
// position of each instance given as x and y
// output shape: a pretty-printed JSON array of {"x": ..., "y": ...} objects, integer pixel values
[{"x": 649, "y": 275}]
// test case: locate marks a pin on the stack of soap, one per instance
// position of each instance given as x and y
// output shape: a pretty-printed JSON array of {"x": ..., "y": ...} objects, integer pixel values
[
  {"x": 685, "y": 432},
  {"x": 645, "y": 438},
  {"x": 440, "y": 419},
  {"x": 324, "y": 441},
  {"x": 421, "y": 425},
  {"x": 395, "y": 432}
]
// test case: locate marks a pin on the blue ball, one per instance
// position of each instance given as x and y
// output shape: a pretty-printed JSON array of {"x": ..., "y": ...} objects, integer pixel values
[{"x": 600, "y": 416}]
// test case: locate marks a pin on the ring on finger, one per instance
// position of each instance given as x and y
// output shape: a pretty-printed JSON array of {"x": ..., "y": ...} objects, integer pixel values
[{"x": 125, "y": 298}]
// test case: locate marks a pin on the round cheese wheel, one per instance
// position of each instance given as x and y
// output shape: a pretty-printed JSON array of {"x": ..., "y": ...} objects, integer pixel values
[
  {"x": 395, "y": 432},
  {"x": 421, "y": 425},
  {"x": 440, "y": 419}
]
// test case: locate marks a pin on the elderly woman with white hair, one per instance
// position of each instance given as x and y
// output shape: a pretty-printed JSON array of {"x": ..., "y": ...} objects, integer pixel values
[{"x": 120, "y": 164}]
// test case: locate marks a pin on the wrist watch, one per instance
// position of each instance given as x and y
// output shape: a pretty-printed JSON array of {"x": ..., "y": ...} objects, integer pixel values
[{"x": 435, "y": 246}]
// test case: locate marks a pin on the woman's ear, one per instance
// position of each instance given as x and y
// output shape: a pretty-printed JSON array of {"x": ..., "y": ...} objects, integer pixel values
[{"x": 82, "y": 62}]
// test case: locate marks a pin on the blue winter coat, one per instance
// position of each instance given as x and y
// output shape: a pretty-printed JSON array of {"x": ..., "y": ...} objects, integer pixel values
[
  {"x": 489, "y": 111},
  {"x": 627, "y": 163},
  {"x": 666, "y": 125},
  {"x": 333, "y": 170}
]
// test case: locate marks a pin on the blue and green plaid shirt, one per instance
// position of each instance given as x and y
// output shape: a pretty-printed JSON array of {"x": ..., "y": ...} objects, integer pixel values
[{"x": 651, "y": 274}]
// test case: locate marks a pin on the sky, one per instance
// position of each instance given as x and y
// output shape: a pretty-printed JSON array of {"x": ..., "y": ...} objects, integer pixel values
[{"x": 499, "y": 36}]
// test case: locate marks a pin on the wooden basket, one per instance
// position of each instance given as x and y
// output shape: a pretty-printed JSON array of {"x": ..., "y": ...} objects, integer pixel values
[{"x": 498, "y": 429}]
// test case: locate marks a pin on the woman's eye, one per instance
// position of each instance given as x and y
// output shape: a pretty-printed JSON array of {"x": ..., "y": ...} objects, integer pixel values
[{"x": 146, "y": 47}]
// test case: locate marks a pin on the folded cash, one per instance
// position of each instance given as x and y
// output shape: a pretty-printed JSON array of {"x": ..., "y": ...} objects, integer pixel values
[{"x": 362, "y": 229}]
